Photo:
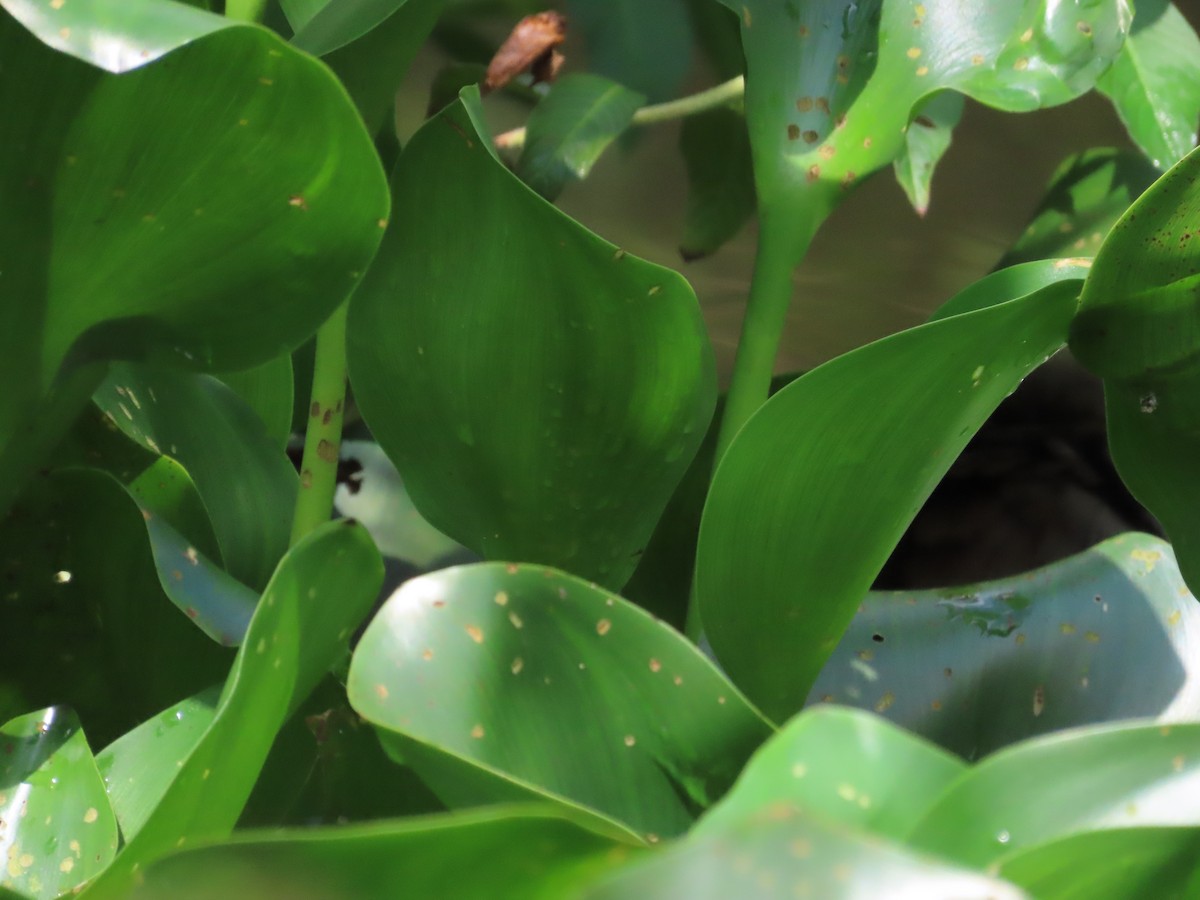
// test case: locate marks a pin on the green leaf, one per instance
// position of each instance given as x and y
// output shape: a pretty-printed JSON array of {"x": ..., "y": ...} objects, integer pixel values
[
  {"x": 1154, "y": 82},
  {"x": 567, "y": 131},
  {"x": 1087, "y": 194},
  {"x": 716, "y": 152},
  {"x": 201, "y": 423},
  {"x": 1117, "y": 864},
  {"x": 140, "y": 765},
  {"x": 644, "y": 46},
  {"x": 1138, "y": 327},
  {"x": 113, "y": 258},
  {"x": 1102, "y": 636},
  {"x": 549, "y": 686},
  {"x": 85, "y": 621},
  {"x": 815, "y": 491},
  {"x": 268, "y": 390},
  {"x": 777, "y": 852},
  {"x": 514, "y": 853},
  {"x": 59, "y": 830},
  {"x": 300, "y": 12},
  {"x": 832, "y": 87},
  {"x": 925, "y": 141},
  {"x": 321, "y": 590},
  {"x": 840, "y": 765},
  {"x": 1090, "y": 779},
  {"x": 559, "y": 386}
]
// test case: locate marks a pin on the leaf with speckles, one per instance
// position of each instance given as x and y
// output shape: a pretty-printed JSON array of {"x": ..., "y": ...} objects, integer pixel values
[
  {"x": 204, "y": 426},
  {"x": 925, "y": 141},
  {"x": 776, "y": 851},
  {"x": 499, "y": 681},
  {"x": 59, "y": 829},
  {"x": 840, "y": 765},
  {"x": 1138, "y": 327},
  {"x": 1090, "y": 779},
  {"x": 561, "y": 402},
  {"x": 569, "y": 130},
  {"x": 791, "y": 542},
  {"x": 322, "y": 589},
  {"x": 85, "y": 620},
  {"x": 1154, "y": 82},
  {"x": 502, "y": 853},
  {"x": 832, "y": 86},
  {"x": 1117, "y": 864},
  {"x": 1106, "y": 635},
  {"x": 1086, "y": 196},
  {"x": 109, "y": 257}
]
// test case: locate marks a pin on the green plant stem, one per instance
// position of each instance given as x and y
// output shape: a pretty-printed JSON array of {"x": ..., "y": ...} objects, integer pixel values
[
  {"x": 721, "y": 95},
  {"x": 323, "y": 435},
  {"x": 779, "y": 252},
  {"x": 246, "y": 10}
]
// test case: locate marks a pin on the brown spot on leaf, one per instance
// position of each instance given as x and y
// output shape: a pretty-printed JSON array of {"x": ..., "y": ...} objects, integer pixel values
[{"x": 793, "y": 132}]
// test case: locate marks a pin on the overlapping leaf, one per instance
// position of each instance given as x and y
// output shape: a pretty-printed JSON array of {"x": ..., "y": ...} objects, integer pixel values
[
  {"x": 558, "y": 386},
  {"x": 507, "y": 680}
]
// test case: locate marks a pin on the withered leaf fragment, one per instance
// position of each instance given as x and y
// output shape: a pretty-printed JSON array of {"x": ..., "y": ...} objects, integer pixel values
[{"x": 530, "y": 46}]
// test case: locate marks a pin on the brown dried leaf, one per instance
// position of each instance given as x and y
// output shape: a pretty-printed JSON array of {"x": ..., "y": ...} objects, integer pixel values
[{"x": 530, "y": 46}]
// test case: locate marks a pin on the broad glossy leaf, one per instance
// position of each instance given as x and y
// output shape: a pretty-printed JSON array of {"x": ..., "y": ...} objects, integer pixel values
[
  {"x": 1106, "y": 635},
  {"x": 818, "y": 487},
  {"x": 321, "y": 590},
  {"x": 540, "y": 391},
  {"x": 1015, "y": 281},
  {"x": 546, "y": 685},
  {"x": 1090, "y": 779},
  {"x": 644, "y": 46},
  {"x": 140, "y": 765},
  {"x": 778, "y": 851},
  {"x": 514, "y": 853},
  {"x": 268, "y": 390},
  {"x": 832, "y": 86},
  {"x": 111, "y": 258},
  {"x": 1117, "y": 864},
  {"x": 1154, "y": 82},
  {"x": 1138, "y": 327},
  {"x": 1087, "y": 194},
  {"x": 244, "y": 478},
  {"x": 840, "y": 765},
  {"x": 716, "y": 152},
  {"x": 58, "y": 830},
  {"x": 300, "y": 12},
  {"x": 567, "y": 131},
  {"x": 85, "y": 620},
  {"x": 925, "y": 141}
]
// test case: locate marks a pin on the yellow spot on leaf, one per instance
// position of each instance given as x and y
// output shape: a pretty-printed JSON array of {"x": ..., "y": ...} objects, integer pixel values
[
  {"x": 381, "y": 691},
  {"x": 603, "y": 626},
  {"x": 477, "y": 732},
  {"x": 475, "y": 633},
  {"x": 914, "y": 52},
  {"x": 517, "y": 665}
]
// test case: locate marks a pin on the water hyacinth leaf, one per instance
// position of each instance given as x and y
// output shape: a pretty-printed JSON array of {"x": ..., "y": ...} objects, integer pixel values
[
  {"x": 832, "y": 87},
  {"x": 1138, "y": 327},
  {"x": 571, "y": 127},
  {"x": 1119, "y": 863},
  {"x": 716, "y": 152},
  {"x": 140, "y": 765},
  {"x": 781, "y": 850},
  {"x": 115, "y": 259},
  {"x": 300, "y": 12},
  {"x": 86, "y": 622},
  {"x": 645, "y": 47},
  {"x": 268, "y": 390},
  {"x": 1106, "y": 635},
  {"x": 839, "y": 765},
  {"x": 925, "y": 141},
  {"x": 1154, "y": 82},
  {"x": 1086, "y": 196},
  {"x": 562, "y": 401},
  {"x": 1089, "y": 779},
  {"x": 205, "y": 426},
  {"x": 790, "y": 542},
  {"x": 1015, "y": 281},
  {"x": 550, "y": 686},
  {"x": 320, "y": 592},
  {"x": 59, "y": 829},
  {"x": 531, "y": 853}
]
